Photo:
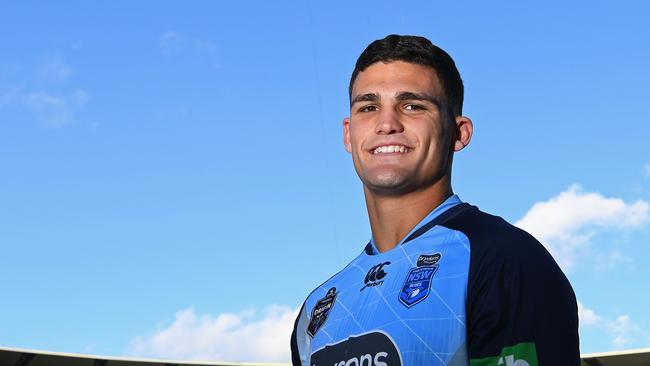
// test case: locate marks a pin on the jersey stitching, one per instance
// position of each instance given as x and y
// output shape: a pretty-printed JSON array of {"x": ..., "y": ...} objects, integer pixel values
[
  {"x": 406, "y": 255},
  {"x": 461, "y": 240},
  {"x": 327, "y": 334},
  {"x": 419, "y": 320},
  {"x": 351, "y": 315},
  {"x": 450, "y": 276},
  {"x": 448, "y": 307},
  {"x": 409, "y": 328}
]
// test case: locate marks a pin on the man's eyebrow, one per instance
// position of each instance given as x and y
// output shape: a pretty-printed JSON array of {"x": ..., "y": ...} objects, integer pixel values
[
  {"x": 402, "y": 96},
  {"x": 369, "y": 97}
]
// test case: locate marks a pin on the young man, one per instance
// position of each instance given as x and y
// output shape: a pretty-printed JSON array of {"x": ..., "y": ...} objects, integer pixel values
[{"x": 440, "y": 283}]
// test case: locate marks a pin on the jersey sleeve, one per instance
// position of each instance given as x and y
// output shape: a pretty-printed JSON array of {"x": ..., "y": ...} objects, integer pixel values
[
  {"x": 300, "y": 341},
  {"x": 520, "y": 306}
]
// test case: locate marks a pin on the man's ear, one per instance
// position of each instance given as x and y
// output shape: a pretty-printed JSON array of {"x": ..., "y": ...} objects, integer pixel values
[
  {"x": 464, "y": 131},
  {"x": 346, "y": 134}
]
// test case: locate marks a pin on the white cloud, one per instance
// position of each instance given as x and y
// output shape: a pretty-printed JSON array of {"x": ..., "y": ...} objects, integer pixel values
[
  {"x": 56, "y": 110},
  {"x": 54, "y": 70},
  {"x": 613, "y": 260},
  {"x": 621, "y": 330},
  {"x": 32, "y": 92},
  {"x": 7, "y": 99},
  {"x": 566, "y": 223},
  {"x": 224, "y": 337},
  {"x": 203, "y": 45},
  {"x": 173, "y": 43},
  {"x": 587, "y": 316}
]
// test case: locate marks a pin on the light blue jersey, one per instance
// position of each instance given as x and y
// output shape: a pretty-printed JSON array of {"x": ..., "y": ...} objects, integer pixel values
[
  {"x": 410, "y": 299},
  {"x": 462, "y": 288}
]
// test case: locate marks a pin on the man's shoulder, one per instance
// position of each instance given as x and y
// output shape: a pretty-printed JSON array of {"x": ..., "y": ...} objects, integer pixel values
[
  {"x": 494, "y": 240},
  {"x": 490, "y": 232},
  {"x": 501, "y": 251},
  {"x": 516, "y": 292}
]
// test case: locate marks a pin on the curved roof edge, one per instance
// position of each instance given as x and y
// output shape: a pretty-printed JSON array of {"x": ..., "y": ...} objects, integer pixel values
[
  {"x": 617, "y": 353},
  {"x": 630, "y": 357},
  {"x": 134, "y": 359}
]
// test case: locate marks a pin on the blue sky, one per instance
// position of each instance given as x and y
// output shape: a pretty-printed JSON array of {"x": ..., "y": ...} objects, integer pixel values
[{"x": 174, "y": 179}]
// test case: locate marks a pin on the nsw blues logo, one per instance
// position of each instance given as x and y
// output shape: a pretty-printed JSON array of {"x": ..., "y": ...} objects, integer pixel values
[{"x": 418, "y": 281}]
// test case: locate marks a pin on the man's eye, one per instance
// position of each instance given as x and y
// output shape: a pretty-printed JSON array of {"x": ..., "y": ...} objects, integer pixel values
[
  {"x": 413, "y": 107},
  {"x": 368, "y": 108}
]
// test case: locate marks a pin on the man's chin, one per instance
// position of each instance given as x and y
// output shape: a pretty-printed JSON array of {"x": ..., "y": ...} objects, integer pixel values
[{"x": 387, "y": 185}]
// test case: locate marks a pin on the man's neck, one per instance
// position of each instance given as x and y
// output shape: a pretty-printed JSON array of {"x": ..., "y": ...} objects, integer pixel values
[{"x": 392, "y": 217}]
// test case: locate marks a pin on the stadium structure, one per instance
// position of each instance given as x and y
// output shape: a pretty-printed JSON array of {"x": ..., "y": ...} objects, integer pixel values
[{"x": 27, "y": 357}]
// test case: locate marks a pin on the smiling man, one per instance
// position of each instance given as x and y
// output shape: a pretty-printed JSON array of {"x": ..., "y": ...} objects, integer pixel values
[{"x": 440, "y": 282}]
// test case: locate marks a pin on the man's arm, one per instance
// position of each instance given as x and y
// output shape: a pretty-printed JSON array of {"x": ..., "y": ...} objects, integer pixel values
[{"x": 520, "y": 306}]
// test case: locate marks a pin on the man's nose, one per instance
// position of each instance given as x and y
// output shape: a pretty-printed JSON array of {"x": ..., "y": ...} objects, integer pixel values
[{"x": 388, "y": 122}]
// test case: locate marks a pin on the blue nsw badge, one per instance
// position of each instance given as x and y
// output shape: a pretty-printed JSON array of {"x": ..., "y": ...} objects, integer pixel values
[{"x": 418, "y": 281}]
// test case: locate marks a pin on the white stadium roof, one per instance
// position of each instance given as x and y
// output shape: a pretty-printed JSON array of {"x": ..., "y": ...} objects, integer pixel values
[
  {"x": 30, "y": 357},
  {"x": 634, "y": 357}
]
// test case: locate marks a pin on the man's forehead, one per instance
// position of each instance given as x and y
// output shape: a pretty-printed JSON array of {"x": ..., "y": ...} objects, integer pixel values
[{"x": 392, "y": 78}]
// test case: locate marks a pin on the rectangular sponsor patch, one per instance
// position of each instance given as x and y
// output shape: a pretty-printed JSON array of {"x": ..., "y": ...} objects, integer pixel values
[{"x": 521, "y": 354}]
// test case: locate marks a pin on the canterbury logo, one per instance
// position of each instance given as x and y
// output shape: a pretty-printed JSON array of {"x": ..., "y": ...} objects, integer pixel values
[{"x": 375, "y": 275}]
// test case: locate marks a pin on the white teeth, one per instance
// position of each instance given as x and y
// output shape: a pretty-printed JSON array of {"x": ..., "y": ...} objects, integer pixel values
[{"x": 390, "y": 149}]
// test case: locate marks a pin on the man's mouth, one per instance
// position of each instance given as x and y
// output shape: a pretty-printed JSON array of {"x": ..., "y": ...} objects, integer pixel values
[{"x": 390, "y": 149}]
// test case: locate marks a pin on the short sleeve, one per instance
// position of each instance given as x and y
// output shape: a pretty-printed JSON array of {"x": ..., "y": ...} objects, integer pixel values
[{"x": 520, "y": 306}]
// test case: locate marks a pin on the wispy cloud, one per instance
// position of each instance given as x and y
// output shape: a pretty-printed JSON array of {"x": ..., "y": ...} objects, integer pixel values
[
  {"x": 173, "y": 43},
  {"x": 56, "y": 110},
  {"x": 204, "y": 46},
  {"x": 587, "y": 316},
  {"x": 621, "y": 330},
  {"x": 613, "y": 259},
  {"x": 54, "y": 70},
  {"x": 242, "y": 336},
  {"x": 566, "y": 223},
  {"x": 32, "y": 92},
  {"x": 646, "y": 169}
]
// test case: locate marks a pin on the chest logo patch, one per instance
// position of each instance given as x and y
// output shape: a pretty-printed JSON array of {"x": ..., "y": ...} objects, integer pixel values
[
  {"x": 375, "y": 276},
  {"x": 417, "y": 284},
  {"x": 321, "y": 311}
]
